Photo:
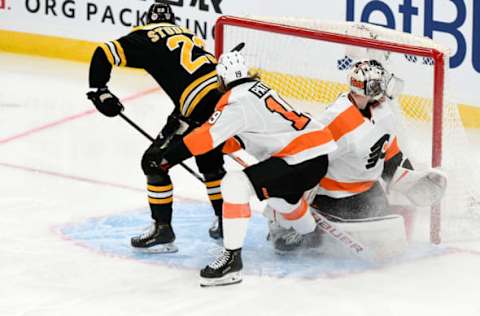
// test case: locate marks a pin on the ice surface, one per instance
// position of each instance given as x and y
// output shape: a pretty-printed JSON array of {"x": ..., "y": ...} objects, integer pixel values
[{"x": 72, "y": 195}]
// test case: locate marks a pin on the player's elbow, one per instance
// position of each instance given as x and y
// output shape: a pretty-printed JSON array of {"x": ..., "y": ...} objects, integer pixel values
[{"x": 100, "y": 68}]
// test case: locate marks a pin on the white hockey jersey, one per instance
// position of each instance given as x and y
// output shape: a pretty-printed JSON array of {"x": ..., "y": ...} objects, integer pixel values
[
  {"x": 253, "y": 116},
  {"x": 363, "y": 147}
]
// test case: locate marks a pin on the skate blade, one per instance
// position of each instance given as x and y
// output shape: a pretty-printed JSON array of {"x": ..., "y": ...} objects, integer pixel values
[
  {"x": 162, "y": 248},
  {"x": 231, "y": 278}
]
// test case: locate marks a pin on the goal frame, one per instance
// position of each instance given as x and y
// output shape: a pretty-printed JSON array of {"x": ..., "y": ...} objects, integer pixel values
[{"x": 438, "y": 76}]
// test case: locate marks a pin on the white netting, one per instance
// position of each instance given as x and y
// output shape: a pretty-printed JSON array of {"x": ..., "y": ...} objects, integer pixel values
[{"x": 311, "y": 73}]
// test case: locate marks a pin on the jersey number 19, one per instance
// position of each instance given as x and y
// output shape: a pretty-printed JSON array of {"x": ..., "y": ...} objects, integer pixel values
[{"x": 299, "y": 120}]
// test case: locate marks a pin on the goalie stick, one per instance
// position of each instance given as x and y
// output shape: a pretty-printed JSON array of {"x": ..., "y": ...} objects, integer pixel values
[{"x": 238, "y": 48}]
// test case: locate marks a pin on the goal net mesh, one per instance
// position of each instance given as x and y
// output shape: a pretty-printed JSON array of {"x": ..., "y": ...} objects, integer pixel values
[{"x": 310, "y": 72}]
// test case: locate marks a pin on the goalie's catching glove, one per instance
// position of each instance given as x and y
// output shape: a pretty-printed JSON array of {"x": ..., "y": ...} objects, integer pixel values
[
  {"x": 422, "y": 188},
  {"x": 105, "y": 102}
]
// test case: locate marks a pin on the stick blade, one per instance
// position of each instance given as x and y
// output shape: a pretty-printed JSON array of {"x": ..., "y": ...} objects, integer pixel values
[{"x": 238, "y": 48}]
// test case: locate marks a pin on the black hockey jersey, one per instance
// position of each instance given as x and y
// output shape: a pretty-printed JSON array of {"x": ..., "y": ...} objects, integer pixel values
[{"x": 173, "y": 56}]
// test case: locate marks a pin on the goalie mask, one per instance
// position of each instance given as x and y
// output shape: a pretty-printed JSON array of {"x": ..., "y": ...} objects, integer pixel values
[
  {"x": 368, "y": 78},
  {"x": 160, "y": 12},
  {"x": 231, "y": 67}
]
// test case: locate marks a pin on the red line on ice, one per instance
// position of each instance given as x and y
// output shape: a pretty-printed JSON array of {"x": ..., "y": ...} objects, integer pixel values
[
  {"x": 71, "y": 177},
  {"x": 87, "y": 180},
  {"x": 71, "y": 118}
]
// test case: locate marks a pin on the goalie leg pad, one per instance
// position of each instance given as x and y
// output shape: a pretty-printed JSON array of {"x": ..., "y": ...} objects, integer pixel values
[{"x": 383, "y": 237}]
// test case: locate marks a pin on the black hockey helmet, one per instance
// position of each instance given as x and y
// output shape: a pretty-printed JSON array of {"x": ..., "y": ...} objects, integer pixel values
[{"x": 160, "y": 12}]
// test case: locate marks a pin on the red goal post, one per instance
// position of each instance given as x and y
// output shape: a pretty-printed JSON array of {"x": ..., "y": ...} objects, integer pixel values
[{"x": 397, "y": 45}]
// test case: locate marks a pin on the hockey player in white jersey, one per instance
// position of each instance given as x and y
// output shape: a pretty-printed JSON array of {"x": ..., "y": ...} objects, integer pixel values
[
  {"x": 291, "y": 148},
  {"x": 362, "y": 124}
]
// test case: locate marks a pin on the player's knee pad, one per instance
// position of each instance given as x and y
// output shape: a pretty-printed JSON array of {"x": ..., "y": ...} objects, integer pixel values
[
  {"x": 281, "y": 205},
  {"x": 295, "y": 215},
  {"x": 149, "y": 161},
  {"x": 236, "y": 187}
]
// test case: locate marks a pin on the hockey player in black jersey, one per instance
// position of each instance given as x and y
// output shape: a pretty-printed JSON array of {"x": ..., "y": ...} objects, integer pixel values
[{"x": 176, "y": 59}]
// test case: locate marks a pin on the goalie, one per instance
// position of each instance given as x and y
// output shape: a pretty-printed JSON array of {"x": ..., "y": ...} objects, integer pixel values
[{"x": 367, "y": 164}]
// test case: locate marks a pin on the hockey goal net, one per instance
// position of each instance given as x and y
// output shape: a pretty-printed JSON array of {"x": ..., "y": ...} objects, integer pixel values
[{"x": 307, "y": 62}]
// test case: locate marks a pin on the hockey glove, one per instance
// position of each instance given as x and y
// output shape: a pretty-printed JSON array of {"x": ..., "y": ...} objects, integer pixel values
[
  {"x": 422, "y": 188},
  {"x": 177, "y": 125},
  {"x": 105, "y": 102}
]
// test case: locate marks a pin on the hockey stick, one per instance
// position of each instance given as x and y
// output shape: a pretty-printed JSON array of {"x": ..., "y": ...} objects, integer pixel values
[
  {"x": 138, "y": 128},
  {"x": 237, "y": 159},
  {"x": 344, "y": 238},
  {"x": 238, "y": 48}
]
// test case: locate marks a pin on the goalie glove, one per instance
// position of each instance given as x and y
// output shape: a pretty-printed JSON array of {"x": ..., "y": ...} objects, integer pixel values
[{"x": 422, "y": 188}]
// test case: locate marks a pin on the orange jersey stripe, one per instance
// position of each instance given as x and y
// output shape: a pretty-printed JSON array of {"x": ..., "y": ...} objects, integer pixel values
[
  {"x": 346, "y": 122},
  {"x": 298, "y": 212},
  {"x": 231, "y": 146},
  {"x": 304, "y": 142},
  {"x": 355, "y": 187},
  {"x": 392, "y": 150},
  {"x": 233, "y": 211},
  {"x": 223, "y": 101},
  {"x": 199, "y": 141}
]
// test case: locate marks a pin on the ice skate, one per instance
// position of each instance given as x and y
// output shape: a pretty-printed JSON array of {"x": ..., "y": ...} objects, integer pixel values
[
  {"x": 287, "y": 240},
  {"x": 216, "y": 230},
  {"x": 158, "y": 238},
  {"x": 225, "y": 270}
]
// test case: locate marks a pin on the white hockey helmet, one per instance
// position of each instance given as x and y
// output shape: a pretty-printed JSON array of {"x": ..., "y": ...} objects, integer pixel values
[
  {"x": 231, "y": 67},
  {"x": 368, "y": 78}
]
